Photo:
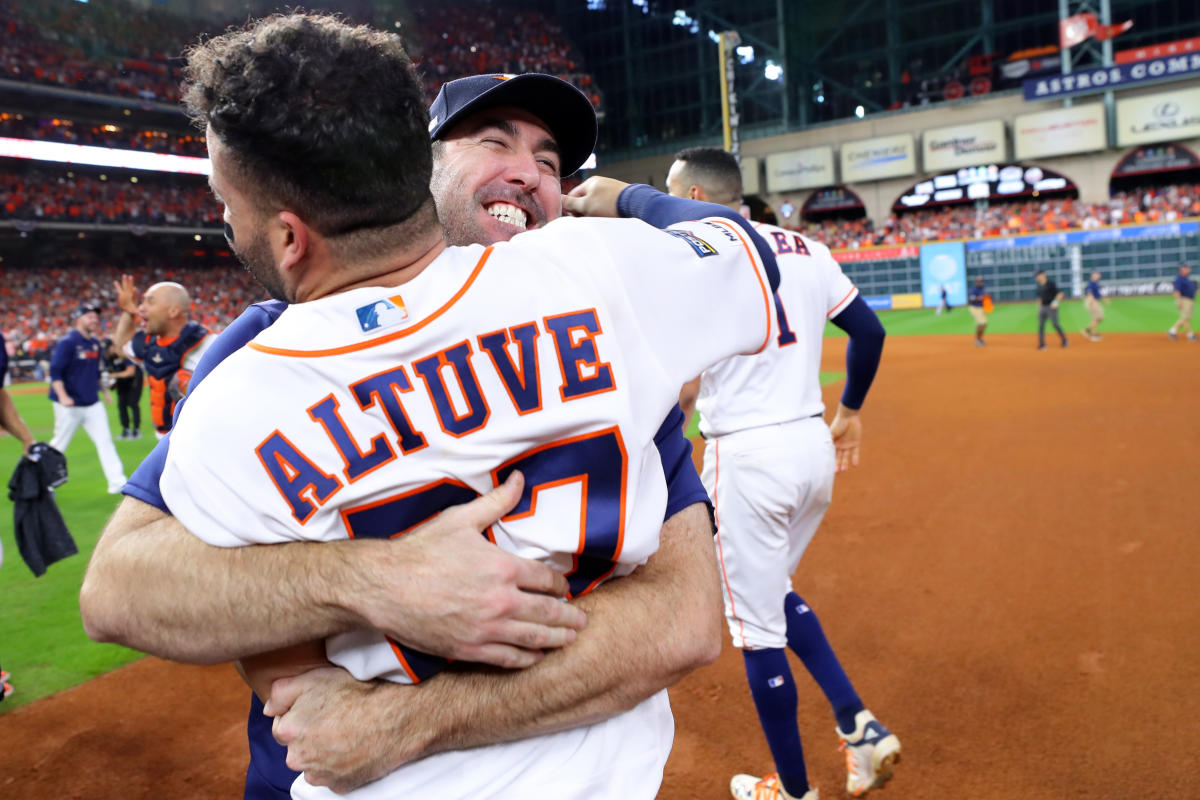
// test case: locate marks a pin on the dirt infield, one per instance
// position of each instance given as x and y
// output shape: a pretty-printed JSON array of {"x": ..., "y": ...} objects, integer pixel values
[{"x": 1009, "y": 580}]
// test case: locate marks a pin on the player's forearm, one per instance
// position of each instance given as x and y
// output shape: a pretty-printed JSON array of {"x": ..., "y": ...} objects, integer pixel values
[
  {"x": 154, "y": 587},
  {"x": 645, "y": 632},
  {"x": 11, "y": 420},
  {"x": 59, "y": 387}
]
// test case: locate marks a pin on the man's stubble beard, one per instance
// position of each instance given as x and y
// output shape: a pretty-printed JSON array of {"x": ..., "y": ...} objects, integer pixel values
[
  {"x": 257, "y": 259},
  {"x": 460, "y": 222}
]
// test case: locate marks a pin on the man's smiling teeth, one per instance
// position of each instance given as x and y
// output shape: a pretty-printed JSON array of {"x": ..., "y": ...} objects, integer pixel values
[{"x": 508, "y": 213}]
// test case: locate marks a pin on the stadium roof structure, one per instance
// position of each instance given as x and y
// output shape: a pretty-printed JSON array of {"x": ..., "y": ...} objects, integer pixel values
[{"x": 817, "y": 62}]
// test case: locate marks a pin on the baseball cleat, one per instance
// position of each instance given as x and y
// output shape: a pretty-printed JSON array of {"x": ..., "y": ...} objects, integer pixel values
[
  {"x": 1172, "y": 335},
  {"x": 872, "y": 752},
  {"x": 6, "y": 690},
  {"x": 1191, "y": 337},
  {"x": 748, "y": 787}
]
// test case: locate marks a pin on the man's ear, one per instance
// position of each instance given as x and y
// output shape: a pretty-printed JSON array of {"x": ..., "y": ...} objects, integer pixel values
[
  {"x": 290, "y": 240},
  {"x": 697, "y": 193}
]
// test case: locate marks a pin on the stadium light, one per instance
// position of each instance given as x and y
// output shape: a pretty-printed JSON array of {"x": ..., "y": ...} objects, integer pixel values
[
  {"x": 745, "y": 53},
  {"x": 716, "y": 37},
  {"x": 860, "y": 112},
  {"x": 772, "y": 71},
  {"x": 102, "y": 156}
]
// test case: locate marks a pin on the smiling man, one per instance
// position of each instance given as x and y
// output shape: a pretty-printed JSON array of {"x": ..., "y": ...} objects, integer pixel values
[{"x": 500, "y": 145}]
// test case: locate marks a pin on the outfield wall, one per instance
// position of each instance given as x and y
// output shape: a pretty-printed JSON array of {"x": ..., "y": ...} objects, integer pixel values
[{"x": 1132, "y": 259}]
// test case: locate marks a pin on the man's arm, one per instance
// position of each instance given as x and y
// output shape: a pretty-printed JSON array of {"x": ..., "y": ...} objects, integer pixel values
[
  {"x": 645, "y": 632},
  {"x": 11, "y": 421},
  {"x": 126, "y": 299},
  {"x": 862, "y": 362},
  {"x": 442, "y": 589}
]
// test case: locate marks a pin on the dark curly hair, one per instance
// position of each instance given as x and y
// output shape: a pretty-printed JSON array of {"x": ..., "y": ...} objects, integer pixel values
[{"x": 322, "y": 118}]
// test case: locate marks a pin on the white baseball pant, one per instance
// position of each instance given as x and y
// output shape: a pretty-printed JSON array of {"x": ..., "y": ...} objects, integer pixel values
[
  {"x": 94, "y": 419},
  {"x": 770, "y": 487}
]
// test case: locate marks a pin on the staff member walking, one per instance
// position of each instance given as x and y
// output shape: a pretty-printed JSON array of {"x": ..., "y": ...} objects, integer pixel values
[
  {"x": 1092, "y": 296},
  {"x": 74, "y": 391},
  {"x": 1049, "y": 296},
  {"x": 1185, "y": 301},
  {"x": 978, "y": 313}
]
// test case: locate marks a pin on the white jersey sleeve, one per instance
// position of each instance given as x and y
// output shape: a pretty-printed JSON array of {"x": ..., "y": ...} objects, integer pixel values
[
  {"x": 698, "y": 289},
  {"x": 839, "y": 291}
]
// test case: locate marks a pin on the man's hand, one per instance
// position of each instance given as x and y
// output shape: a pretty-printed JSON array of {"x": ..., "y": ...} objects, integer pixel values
[
  {"x": 442, "y": 589},
  {"x": 126, "y": 294},
  {"x": 65, "y": 399},
  {"x": 846, "y": 429},
  {"x": 337, "y": 733},
  {"x": 342, "y": 733},
  {"x": 595, "y": 197},
  {"x": 458, "y": 595}
]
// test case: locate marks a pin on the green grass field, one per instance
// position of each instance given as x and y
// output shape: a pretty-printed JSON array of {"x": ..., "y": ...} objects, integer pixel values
[
  {"x": 1125, "y": 315},
  {"x": 42, "y": 642}
]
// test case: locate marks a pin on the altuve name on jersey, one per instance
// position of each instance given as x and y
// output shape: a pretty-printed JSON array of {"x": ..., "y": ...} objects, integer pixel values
[{"x": 301, "y": 481}]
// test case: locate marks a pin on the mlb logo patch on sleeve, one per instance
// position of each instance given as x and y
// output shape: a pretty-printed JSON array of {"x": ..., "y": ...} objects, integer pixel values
[
  {"x": 702, "y": 248},
  {"x": 383, "y": 313}
]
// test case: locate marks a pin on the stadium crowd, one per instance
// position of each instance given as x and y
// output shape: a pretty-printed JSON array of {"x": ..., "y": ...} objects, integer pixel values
[
  {"x": 1160, "y": 204},
  {"x": 47, "y": 195},
  {"x": 36, "y": 304},
  {"x": 468, "y": 39},
  {"x": 91, "y": 48}
]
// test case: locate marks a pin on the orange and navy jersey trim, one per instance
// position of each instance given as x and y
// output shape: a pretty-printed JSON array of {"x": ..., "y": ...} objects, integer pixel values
[
  {"x": 391, "y": 337},
  {"x": 752, "y": 252}
]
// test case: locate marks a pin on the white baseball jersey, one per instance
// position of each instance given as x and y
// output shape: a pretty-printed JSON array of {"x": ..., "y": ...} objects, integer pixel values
[
  {"x": 367, "y": 412},
  {"x": 782, "y": 383},
  {"x": 769, "y": 463}
]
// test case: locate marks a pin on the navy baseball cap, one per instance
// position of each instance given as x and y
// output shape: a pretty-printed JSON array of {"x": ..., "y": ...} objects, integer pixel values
[
  {"x": 566, "y": 111},
  {"x": 87, "y": 308}
]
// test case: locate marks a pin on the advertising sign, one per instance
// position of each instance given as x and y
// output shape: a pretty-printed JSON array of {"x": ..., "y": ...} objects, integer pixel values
[
  {"x": 1159, "y": 117},
  {"x": 875, "y": 159},
  {"x": 963, "y": 146},
  {"x": 1156, "y": 158},
  {"x": 1118, "y": 76},
  {"x": 800, "y": 169},
  {"x": 944, "y": 266},
  {"x": 1079, "y": 129},
  {"x": 1158, "y": 50}
]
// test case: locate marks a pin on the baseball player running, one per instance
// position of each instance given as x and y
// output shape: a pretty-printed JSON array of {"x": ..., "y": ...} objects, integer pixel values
[
  {"x": 168, "y": 349},
  {"x": 554, "y": 394},
  {"x": 769, "y": 466}
]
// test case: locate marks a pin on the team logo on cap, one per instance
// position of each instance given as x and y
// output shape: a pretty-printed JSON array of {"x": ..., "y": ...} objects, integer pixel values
[
  {"x": 383, "y": 313},
  {"x": 702, "y": 248}
]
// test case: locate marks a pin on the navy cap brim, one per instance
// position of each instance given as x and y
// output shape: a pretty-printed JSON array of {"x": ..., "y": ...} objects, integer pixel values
[{"x": 566, "y": 111}]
